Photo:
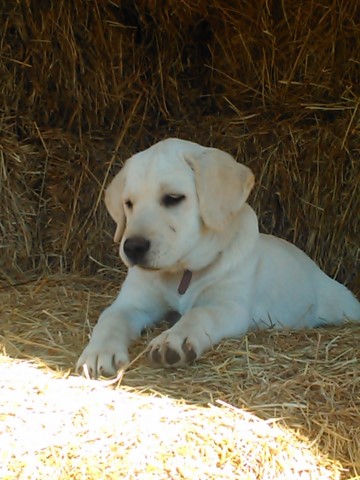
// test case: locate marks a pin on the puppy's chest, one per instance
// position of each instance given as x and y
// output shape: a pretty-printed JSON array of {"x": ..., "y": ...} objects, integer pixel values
[{"x": 182, "y": 302}]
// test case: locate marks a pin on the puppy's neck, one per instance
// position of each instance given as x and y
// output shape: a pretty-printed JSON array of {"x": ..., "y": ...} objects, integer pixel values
[
  {"x": 185, "y": 282},
  {"x": 240, "y": 235}
]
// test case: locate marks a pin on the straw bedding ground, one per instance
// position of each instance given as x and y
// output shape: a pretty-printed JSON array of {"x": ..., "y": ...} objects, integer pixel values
[
  {"x": 84, "y": 84},
  {"x": 296, "y": 399},
  {"x": 97, "y": 433}
]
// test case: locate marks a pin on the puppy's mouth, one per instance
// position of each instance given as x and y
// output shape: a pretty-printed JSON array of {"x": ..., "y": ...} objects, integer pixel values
[
  {"x": 136, "y": 250},
  {"x": 185, "y": 278},
  {"x": 146, "y": 254},
  {"x": 149, "y": 268}
]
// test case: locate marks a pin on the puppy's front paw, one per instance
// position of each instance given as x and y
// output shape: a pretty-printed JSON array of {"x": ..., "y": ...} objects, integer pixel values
[
  {"x": 104, "y": 359},
  {"x": 172, "y": 349}
]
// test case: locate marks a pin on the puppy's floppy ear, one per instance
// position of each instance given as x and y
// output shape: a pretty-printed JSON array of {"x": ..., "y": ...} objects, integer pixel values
[
  {"x": 222, "y": 184},
  {"x": 113, "y": 202}
]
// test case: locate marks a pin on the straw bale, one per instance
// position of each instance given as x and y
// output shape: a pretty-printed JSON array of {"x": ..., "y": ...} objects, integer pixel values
[
  {"x": 81, "y": 430},
  {"x": 85, "y": 84},
  {"x": 295, "y": 398}
]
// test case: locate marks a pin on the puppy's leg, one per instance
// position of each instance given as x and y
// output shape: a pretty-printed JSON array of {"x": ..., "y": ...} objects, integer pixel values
[
  {"x": 197, "y": 331},
  {"x": 107, "y": 350},
  {"x": 137, "y": 306}
]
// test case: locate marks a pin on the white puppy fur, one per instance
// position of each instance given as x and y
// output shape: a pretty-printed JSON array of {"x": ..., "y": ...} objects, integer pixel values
[{"x": 192, "y": 245}]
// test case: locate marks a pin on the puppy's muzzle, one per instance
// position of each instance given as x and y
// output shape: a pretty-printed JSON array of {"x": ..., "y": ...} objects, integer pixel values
[{"x": 136, "y": 248}]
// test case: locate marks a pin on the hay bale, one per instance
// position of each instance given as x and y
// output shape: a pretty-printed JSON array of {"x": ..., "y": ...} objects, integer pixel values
[
  {"x": 87, "y": 83},
  {"x": 274, "y": 405},
  {"x": 82, "y": 430}
]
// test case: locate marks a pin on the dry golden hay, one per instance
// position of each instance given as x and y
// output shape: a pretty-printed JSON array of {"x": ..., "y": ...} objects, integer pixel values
[
  {"x": 85, "y": 84},
  {"x": 72, "y": 429},
  {"x": 289, "y": 401}
]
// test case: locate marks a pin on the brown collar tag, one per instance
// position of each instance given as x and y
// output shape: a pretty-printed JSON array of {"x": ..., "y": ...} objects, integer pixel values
[{"x": 184, "y": 282}]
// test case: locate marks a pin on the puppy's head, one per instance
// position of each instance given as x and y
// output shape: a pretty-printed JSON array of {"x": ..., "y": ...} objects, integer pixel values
[{"x": 168, "y": 198}]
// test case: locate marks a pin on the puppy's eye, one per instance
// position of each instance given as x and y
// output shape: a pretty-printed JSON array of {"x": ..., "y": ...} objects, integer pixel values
[
  {"x": 171, "y": 200},
  {"x": 129, "y": 204}
]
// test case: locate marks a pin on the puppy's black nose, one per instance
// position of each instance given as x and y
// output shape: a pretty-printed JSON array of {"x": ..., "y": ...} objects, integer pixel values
[{"x": 135, "y": 248}]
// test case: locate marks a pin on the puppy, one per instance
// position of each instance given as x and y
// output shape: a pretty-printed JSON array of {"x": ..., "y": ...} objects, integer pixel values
[{"x": 192, "y": 245}]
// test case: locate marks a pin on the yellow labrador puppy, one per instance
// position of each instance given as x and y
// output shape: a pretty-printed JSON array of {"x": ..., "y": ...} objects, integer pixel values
[{"x": 192, "y": 245}]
